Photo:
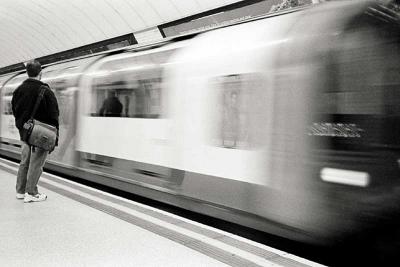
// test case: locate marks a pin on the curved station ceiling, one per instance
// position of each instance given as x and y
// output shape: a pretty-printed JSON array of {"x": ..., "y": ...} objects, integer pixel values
[{"x": 31, "y": 29}]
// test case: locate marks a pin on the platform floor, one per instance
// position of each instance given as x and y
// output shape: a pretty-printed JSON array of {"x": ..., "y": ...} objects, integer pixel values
[{"x": 81, "y": 226}]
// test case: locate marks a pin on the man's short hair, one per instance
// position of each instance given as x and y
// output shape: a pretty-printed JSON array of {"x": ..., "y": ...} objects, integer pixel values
[{"x": 33, "y": 68}]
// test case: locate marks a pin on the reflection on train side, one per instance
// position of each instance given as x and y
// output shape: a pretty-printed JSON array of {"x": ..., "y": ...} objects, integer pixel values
[{"x": 239, "y": 106}]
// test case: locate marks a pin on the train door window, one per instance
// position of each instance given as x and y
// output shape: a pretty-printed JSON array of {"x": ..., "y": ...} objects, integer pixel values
[
  {"x": 146, "y": 98},
  {"x": 239, "y": 117},
  {"x": 106, "y": 90},
  {"x": 62, "y": 83},
  {"x": 131, "y": 85},
  {"x": 146, "y": 85}
]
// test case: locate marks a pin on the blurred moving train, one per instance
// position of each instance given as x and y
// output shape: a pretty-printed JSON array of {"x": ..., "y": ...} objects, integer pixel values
[{"x": 289, "y": 124}]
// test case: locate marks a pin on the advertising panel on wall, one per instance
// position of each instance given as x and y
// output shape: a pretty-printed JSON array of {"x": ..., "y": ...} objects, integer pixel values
[{"x": 226, "y": 15}]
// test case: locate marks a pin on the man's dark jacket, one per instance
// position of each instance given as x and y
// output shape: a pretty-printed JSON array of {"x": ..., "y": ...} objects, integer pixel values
[{"x": 24, "y": 99}]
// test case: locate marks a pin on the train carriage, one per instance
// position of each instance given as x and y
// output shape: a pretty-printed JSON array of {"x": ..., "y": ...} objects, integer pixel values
[{"x": 287, "y": 124}]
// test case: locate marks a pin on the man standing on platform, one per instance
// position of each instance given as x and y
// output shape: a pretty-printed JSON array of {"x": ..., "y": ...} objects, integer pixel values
[{"x": 32, "y": 158}]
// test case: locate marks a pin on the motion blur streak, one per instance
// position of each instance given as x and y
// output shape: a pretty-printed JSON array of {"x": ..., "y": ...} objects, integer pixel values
[{"x": 289, "y": 124}]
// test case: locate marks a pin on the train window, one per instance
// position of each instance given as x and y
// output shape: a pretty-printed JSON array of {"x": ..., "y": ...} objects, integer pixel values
[
  {"x": 8, "y": 90},
  {"x": 7, "y": 108},
  {"x": 129, "y": 87},
  {"x": 6, "y": 98},
  {"x": 239, "y": 111}
]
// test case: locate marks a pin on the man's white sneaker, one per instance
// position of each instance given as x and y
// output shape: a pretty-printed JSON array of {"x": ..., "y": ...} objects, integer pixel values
[
  {"x": 34, "y": 198},
  {"x": 20, "y": 196}
]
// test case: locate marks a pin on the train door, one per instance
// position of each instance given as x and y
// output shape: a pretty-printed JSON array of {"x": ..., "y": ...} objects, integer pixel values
[
  {"x": 62, "y": 79},
  {"x": 222, "y": 91},
  {"x": 5, "y": 109},
  {"x": 9, "y": 133},
  {"x": 122, "y": 125}
]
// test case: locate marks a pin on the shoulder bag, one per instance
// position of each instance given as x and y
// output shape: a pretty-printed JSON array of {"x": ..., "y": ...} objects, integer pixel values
[{"x": 37, "y": 133}]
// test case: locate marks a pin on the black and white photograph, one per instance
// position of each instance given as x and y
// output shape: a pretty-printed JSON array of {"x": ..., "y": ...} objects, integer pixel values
[{"x": 199, "y": 133}]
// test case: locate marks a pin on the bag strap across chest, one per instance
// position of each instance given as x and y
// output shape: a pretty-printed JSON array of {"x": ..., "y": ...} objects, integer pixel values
[{"x": 38, "y": 100}]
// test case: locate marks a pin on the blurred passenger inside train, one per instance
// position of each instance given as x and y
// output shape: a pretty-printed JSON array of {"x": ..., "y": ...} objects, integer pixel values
[{"x": 111, "y": 107}]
